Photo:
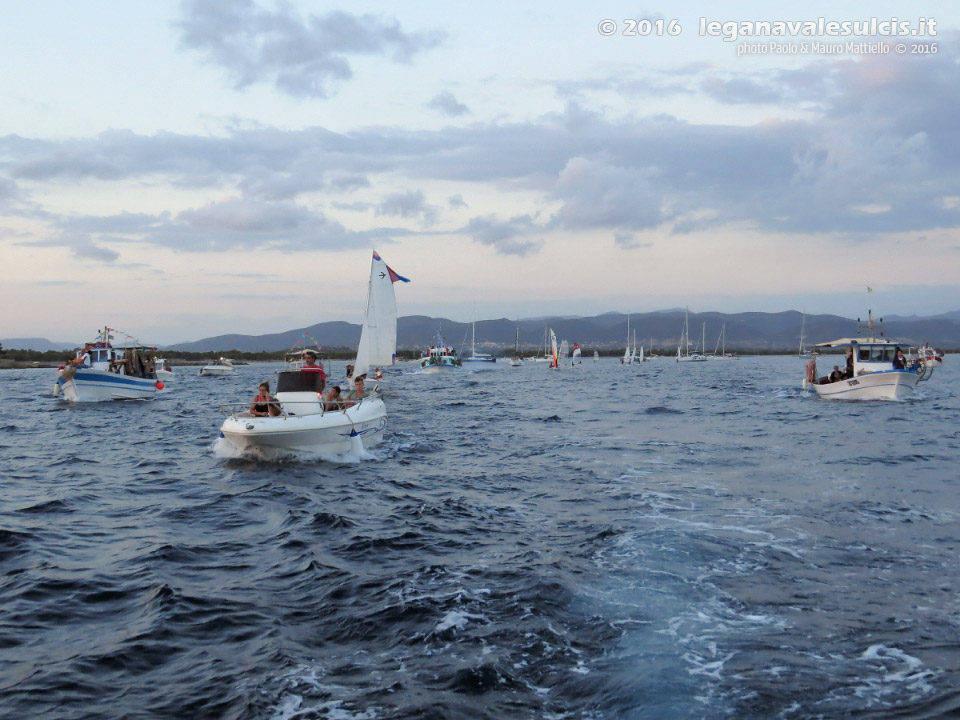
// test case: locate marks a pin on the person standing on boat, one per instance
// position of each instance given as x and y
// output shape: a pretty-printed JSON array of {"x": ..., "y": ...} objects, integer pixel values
[
  {"x": 849, "y": 371},
  {"x": 310, "y": 365},
  {"x": 899, "y": 361}
]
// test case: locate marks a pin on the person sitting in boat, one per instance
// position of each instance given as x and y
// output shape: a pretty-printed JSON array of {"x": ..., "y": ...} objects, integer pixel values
[
  {"x": 332, "y": 399},
  {"x": 837, "y": 374},
  {"x": 899, "y": 361},
  {"x": 356, "y": 395},
  {"x": 350, "y": 373},
  {"x": 264, "y": 404},
  {"x": 378, "y": 374},
  {"x": 310, "y": 365}
]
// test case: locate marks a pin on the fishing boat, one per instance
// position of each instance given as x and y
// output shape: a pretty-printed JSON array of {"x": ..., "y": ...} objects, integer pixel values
[
  {"x": 307, "y": 422},
  {"x": 516, "y": 360},
  {"x": 474, "y": 356},
  {"x": 221, "y": 366},
  {"x": 104, "y": 371},
  {"x": 871, "y": 374},
  {"x": 439, "y": 358},
  {"x": 685, "y": 338},
  {"x": 163, "y": 369}
]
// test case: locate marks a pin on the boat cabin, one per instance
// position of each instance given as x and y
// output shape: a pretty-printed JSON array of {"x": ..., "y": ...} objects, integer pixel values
[{"x": 130, "y": 360}]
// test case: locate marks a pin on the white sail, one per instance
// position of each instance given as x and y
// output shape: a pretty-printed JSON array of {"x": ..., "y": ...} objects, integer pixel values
[
  {"x": 553, "y": 349},
  {"x": 378, "y": 337}
]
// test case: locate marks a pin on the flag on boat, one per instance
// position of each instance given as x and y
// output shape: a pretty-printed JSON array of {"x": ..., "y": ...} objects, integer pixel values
[{"x": 394, "y": 275}]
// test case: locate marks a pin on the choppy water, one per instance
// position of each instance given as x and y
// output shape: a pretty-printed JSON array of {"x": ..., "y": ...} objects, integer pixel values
[{"x": 662, "y": 541}]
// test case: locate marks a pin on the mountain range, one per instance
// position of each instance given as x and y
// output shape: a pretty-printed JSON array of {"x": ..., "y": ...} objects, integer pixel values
[{"x": 661, "y": 330}]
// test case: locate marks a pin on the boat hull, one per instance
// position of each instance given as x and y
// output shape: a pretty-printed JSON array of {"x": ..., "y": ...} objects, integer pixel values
[
  {"x": 89, "y": 385},
  {"x": 329, "y": 432},
  {"x": 886, "y": 385}
]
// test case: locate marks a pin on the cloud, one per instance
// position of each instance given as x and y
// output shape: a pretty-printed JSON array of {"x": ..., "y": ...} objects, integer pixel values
[
  {"x": 80, "y": 246},
  {"x": 628, "y": 241},
  {"x": 408, "y": 204},
  {"x": 505, "y": 236},
  {"x": 740, "y": 90},
  {"x": 877, "y": 132},
  {"x": 447, "y": 104},
  {"x": 302, "y": 57}
]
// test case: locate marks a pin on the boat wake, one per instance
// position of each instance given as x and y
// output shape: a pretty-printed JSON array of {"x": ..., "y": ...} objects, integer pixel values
[{"x": 222, "y": 449}]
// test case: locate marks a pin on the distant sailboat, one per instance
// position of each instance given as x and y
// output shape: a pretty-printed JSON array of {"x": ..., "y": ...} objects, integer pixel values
[
  {"x": 554, "y": 353},
  {"x": 516, "y": 360},
  {"x": 627, "y": 358},
  {"x": 596, "y": 356},
  {"x": 685, "y": 338},
  {"x": 378, "y": 335},
  {"x": 575, "y": 359},
  {"x": 474, "y": 356}
]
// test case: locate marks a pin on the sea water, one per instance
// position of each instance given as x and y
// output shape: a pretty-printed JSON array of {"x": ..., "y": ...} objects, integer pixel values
[{"x": 661, "y": 540}]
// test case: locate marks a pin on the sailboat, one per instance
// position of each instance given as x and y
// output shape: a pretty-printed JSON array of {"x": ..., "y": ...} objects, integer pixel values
[
  {"x": 722, "y": 346},
  {"x": 307, "y": 422},
  {"x": 516, "y": 360},
  {"x": 554, "y": 353},
  {"x": 474, "y": 356},
  {"x": 378, "y": 335},
  {"x": 542, "y": 352},
  {"x": 803, "y": 323},
  {"x": 627, "y": 358},
  {"x": 575, "y": 358},
  {"x": 596, "y": 355},
  {"x": 685, "y": 338}
]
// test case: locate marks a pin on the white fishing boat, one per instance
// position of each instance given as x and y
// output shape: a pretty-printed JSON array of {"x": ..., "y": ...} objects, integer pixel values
[
  {"x": 516, "y": 360},
  {"x": 474, "y": 356},
  {"x": 164, "y": 370},
  {"x": 104, "y": 371},
  {"x": 307, "y": 422},
  {"x": 439, "y": 358},
  {"x": 871, "y": 372},
  {"x": 685, "y": 338},
  {"x": 221, "y": 366}
]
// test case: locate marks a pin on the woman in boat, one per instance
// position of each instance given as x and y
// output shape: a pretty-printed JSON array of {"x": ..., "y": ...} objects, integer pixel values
[{"x": 264, "y": 404}]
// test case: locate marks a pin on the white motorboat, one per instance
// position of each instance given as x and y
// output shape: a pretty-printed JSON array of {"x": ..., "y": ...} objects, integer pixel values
[
  {"x": 164, "y": 370},
  {"x": 307, "y": 422},
  {"x": 871, "y": 374},
  {"x": 222, "y": 366},
  {"x": 102, "y": 371},
  {"x": 440, "y": 357}
]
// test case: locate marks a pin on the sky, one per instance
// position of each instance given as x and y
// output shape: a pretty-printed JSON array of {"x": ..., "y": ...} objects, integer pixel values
[{"x": 180, "y": 170}]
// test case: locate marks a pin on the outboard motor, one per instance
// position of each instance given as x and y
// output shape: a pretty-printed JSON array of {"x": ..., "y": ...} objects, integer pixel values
[{"x": 300, "y": 392}]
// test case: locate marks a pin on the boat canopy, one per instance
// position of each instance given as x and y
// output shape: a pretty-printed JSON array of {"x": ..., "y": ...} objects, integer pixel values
[{"x": 844, "y": 342}]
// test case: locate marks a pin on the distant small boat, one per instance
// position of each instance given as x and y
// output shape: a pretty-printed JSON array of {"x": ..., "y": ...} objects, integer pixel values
[
  {"x": 685, "y": 338},
  {"x": 102, "y": 371},
  {"x": 163, "y": 369},
  {"x": 554, "y": 352},
  {"x": 575, "y": 358},
  {"x": 596, "y": 356},
  {"x": 222, "y": 366},
  {"x": 516, "y": 360},
  {"x": 474, "y": 356}
]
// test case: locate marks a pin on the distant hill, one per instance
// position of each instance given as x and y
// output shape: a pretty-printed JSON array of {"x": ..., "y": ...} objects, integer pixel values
[
  {"x": 38, "y": 344},
  {"x": 743, "y": 331}
]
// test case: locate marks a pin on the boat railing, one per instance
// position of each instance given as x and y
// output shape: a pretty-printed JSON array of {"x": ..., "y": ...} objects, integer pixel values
[{"x": 243, "y": 408}]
